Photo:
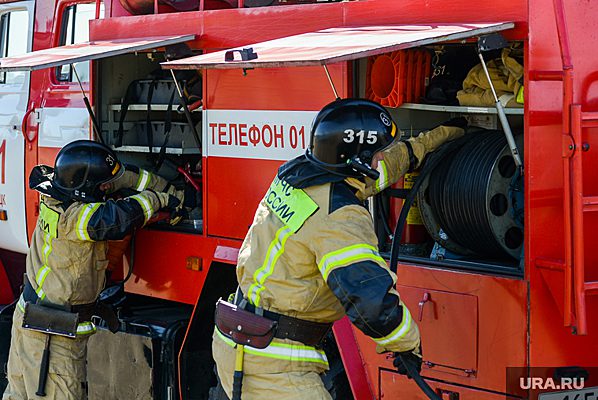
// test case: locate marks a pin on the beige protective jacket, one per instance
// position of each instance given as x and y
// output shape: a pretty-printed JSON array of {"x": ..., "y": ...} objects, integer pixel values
[
  {"x": 311, "y": 254},
  {"x": 67, "y": 258}
]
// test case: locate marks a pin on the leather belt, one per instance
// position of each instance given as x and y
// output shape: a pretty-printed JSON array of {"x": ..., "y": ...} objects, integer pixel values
[
  {"x": 85, "y": 311},
  {"x": 307, "y": 332}
]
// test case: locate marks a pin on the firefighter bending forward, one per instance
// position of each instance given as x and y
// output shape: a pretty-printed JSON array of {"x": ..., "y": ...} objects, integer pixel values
[
  {"x": 67, "y": 260},
  {"x": 310, "y": 256}
]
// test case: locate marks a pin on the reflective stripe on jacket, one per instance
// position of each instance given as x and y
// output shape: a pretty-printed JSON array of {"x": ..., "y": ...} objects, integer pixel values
[{"x": 66, "y": 261}]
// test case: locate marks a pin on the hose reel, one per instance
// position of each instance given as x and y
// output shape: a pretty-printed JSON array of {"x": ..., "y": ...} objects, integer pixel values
[{"x": 472, "y": 202}]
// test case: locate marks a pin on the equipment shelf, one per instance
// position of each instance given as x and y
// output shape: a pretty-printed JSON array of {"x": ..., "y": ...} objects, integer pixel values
[
  {"x": 156, "y": 150},
  {"x": 459, "y": 109}
]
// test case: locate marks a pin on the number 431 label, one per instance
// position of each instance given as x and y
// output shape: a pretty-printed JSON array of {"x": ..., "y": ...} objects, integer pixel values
[{"x": 361, "y": 136}]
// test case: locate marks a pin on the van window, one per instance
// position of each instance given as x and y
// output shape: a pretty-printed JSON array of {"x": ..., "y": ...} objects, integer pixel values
[
  {"x": 14, "y": 26},
  {"x": 75, "y": 29}
]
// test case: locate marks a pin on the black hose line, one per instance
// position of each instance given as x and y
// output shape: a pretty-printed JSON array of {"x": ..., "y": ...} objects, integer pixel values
[
  {"x": 431, "y": 161},
  {"x": 414, "y": 374},
  {"x": 457, "y": 194}
]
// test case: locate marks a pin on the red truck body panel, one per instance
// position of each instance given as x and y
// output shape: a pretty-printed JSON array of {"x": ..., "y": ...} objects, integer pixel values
[{"x": 475, "y": 325}]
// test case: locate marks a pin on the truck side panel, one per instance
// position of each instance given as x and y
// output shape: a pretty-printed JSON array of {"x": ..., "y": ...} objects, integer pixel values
[{"x": 545, "y": 215}]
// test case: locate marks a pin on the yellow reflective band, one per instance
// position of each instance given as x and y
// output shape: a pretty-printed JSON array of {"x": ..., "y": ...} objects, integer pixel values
[
  {"x": 21, "y": 304},
  {"x": 143, "y": 180},
  {"x": 399, "y": 332},
  {"x": 520, "y": 97},
  {"x": 393, "y": 132},
  {"x": 48, "y": 220},
  {"x": 86, "y": 328},
  {"x": 292, "y": 206},
  {"x": 275, "y": 250},
  {"x": 84, "y": 217},
  {"x": 145, "y": 205},
  {"x": 40, "y": 293},
  {"x": 41, "y": 275},
  {"x": 283, "y": 351},
  {"x": 348, "y": 255},
  {"x": 381, "y": 181},
  {"x": 47, "y": 248}
]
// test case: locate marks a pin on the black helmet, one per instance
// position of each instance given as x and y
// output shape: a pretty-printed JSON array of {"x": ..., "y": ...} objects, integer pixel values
[
  {"x": 82, "y": 166},
  {"x": 347, "y": 133}
]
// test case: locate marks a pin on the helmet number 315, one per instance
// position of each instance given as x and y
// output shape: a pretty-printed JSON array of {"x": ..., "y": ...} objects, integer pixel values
[{"x": 360, "y": 136}]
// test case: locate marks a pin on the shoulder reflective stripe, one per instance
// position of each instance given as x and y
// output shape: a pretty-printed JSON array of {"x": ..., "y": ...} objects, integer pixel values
[
  {"x": 48, "y": 220},
  {"x": 381, "y": 182},
  {"x": 84, "y": 217},
  {"x": 348, "y": 255},
  {"x": 145, "y": 205},
  {"x": 399, "y": 332},
  {"x": 283, "y": 351},
  {"x": 292, "y": 206},
  {"x": 143, "y": 180},
  {"x": 275, "y": 250},
  {"x": 86, "y": 328}
]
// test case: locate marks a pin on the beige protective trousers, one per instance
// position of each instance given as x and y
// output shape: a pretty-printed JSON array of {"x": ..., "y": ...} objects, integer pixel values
[
  {"x": 293, "y": 385},
  {"x": 67, "y": 372}
]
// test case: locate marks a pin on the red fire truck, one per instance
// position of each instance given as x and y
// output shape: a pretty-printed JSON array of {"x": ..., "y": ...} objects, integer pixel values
[{"x": 497, "y": 268}]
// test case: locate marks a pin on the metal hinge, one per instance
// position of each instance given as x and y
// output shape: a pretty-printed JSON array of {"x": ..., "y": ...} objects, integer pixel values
[{"x": 37, "y": 116}]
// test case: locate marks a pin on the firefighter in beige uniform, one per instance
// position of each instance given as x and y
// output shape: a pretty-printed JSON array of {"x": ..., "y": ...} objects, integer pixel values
[
  {"x": 67, "y": 259},
  {"x": 311, "y": 252}
]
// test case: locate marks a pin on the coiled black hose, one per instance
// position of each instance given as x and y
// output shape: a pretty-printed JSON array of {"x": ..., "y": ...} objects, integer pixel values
[
  {"x": 457, "y": 193},
  {"x": 431, "y": 162}
]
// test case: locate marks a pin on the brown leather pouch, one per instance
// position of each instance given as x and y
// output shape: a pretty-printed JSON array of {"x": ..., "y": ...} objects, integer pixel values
[{"x": 244, "y": 327}]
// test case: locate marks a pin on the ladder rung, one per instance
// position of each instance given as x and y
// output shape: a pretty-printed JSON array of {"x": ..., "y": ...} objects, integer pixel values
[
  {"x": 589, "y": 119},
  {"x": 591, "y": 287},
  {"x": 590, "y": 203}
]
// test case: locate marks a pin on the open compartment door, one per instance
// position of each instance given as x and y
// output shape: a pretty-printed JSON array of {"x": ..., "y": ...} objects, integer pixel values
[
  {"x": 335, "y": 45},
  {"x": 86, "y": 51}
]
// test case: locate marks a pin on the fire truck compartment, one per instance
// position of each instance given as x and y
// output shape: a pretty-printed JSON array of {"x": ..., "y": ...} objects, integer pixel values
[
  {"x": 468, "y": 213},
  {"x": 143, "y": 121},
  {"x": 166, "y": 130}
]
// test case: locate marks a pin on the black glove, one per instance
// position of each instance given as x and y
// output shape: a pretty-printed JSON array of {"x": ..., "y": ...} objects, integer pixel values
[
  {"x": 458, "y": 122},
  {"x": 173, "y": 204},
  {"x": 413, "y": 358}
]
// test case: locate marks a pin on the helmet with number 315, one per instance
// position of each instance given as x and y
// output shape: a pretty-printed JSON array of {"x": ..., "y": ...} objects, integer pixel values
[{"x": 347, "y": 133}]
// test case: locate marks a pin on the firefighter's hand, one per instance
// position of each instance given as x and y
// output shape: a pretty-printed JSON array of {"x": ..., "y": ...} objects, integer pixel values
[
  {"x": 175, "y": 216},
  {"x": 168, "y": 202},
  {"x": 175, "y": 208},
  {"x": 172, "y": 205},
  {"x": 413, "y": 358}
]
